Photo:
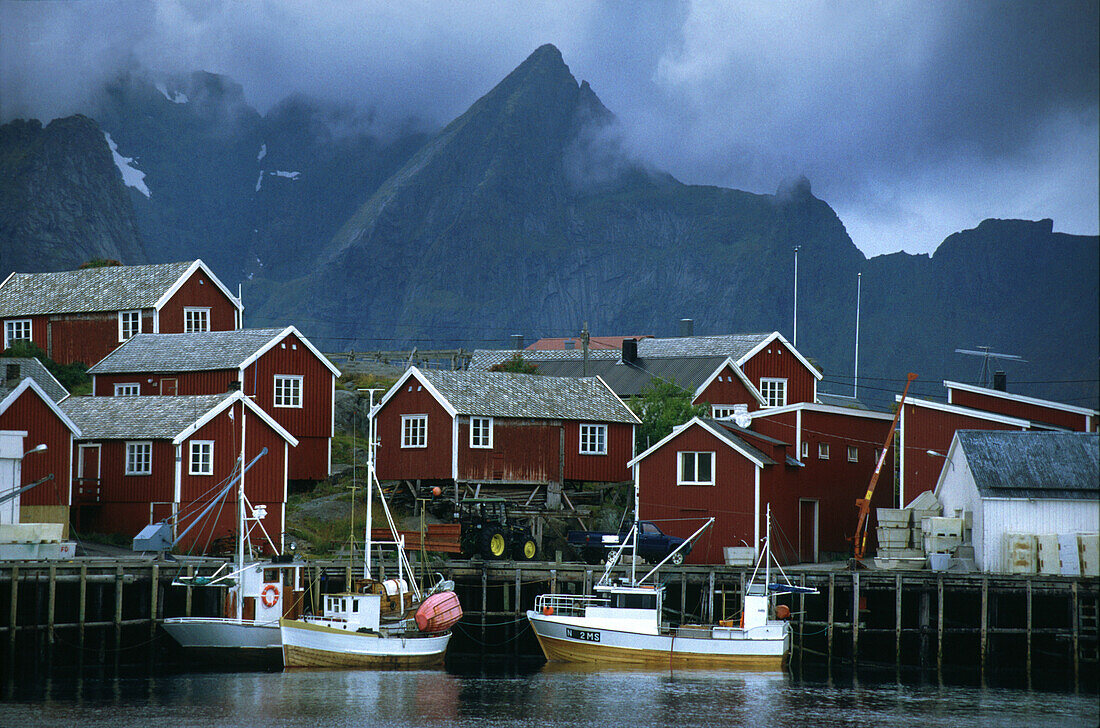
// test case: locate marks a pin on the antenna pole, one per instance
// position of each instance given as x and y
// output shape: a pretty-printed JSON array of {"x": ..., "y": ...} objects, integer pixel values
[
  {"x": 794, "y": 338},
  {"x": 584, "y": 344},
  {"x": 855, "y": 373}
]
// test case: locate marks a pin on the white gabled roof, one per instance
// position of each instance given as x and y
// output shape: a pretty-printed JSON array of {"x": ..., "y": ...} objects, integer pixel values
[
  {"x": 32, "y": 385},
  {"x": 197, "y": 265},
  {"x": 224, "y": 405},
  {"x": 824, "y": 409},
  {"x": 776, "y": 336},
  {"x": 1019, "y": 398},
  {"x": 729, "y": 362},
  {"x": 732, "y": 442},
  {"x": 964, "y": 411}
]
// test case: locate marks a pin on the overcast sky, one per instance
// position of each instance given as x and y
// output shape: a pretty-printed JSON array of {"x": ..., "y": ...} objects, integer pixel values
[{"x": 913, "y": 120}]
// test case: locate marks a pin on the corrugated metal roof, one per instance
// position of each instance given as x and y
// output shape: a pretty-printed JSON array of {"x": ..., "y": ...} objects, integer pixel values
[
  {"x": 203, "y": 351},
  {"x": 1008, "y": 464},
  {"x": 29, "y": 367},
  {"x": 137, "y": 418},
  {"x": 501, "y": 394},
  {"x": 113, "y": 288}
]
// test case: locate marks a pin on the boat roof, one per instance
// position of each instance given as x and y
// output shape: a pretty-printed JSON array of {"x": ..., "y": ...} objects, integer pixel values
[{"x": 630, "y": 588}]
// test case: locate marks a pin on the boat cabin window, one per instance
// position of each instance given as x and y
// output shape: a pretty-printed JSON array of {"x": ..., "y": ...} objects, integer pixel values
[
  {"x": 355, "y": 605},
  {"x": 634, "y": 601},
  {"x": 271, "y": 576}
]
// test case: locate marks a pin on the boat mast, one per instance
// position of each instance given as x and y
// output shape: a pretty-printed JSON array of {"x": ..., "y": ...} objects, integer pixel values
[
  {"x": 370, "y": 481},
  {"x": 768, "y": 548},
  {"x": 637, "y": 524}
]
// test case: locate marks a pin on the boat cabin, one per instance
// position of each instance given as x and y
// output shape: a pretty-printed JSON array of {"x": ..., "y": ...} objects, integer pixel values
[{"x": 353, "y": 612}]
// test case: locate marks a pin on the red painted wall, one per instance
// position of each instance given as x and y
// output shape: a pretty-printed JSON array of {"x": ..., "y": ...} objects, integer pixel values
[
  {"x": 730, "y": 390},
  {"x": 30, "y": 414},
  {"x": 524, "y": 451},
  {"x": 929, "y": 429},
  {"x": 211, "y": 382},
  {"x": 430, "y": 463},
  {"x": 730, "y": 501},
  {"x": 609, "y": 468},
  {"x": 1023, "y": 410},
  {"x": 198, "y": 291},
  {"x": 777, "y": 361}
]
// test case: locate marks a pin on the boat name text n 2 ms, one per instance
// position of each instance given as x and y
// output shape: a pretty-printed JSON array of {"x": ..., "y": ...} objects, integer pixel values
[{"x": 587, "y": 635}]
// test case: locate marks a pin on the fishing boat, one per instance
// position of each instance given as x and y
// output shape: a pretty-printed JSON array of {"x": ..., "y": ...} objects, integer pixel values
[
  {"x": 377, "y": 623},
  {"x": 621, "y": 623}
]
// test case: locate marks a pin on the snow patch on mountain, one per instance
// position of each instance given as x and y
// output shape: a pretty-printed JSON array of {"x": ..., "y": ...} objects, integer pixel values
[
  {"x": 259, "y": 180},
  {"x": 131, "y": 176},
  {"x": 176, "y": 97},
  {"x": 288, "y": 175},
  {"x": 263, "y": 152}
]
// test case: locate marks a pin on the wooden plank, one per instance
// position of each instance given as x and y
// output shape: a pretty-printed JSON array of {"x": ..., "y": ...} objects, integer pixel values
[
  {"x": 118, "y": 608},
  {"x": 939, "y": 624},
  {"x": 984, "y": 626},
  {"x": 154, "y": 591},
  {"x": 12, "y": 617},
  {"x": 855, "y": 616},
  {"x": 828, "y": 617},
  {"x": 83, "y": 607},
  {"x": 51, "y": 604},
  {"x": 897, "y": 619}
]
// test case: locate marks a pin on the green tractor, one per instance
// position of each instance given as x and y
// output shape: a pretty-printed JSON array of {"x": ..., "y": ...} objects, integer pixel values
[{"x": 487, "y": 530}]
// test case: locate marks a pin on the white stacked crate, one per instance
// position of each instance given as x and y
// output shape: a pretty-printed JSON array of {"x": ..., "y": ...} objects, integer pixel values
[
  {"x": 894, "y": 538},
  {"x": 1021, "y": 553}
]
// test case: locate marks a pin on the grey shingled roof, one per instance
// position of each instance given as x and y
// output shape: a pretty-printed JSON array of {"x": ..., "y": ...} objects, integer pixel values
[
  {"x": 1008, "y": 464},
  {"x": 840, "y": 400},
  {"x": 137, "y": 418},
  {"x": 500, "y": 394},
  {"x": 32, "y": 368},
  {"x": 205, "y": 351},
  {"x": 114, "y": 288},
  {"x": 729, "y": 345}
]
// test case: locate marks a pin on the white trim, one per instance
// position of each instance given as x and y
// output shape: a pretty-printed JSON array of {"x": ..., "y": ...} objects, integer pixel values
[
  {"x": 156, "y": 320},
  {"x": 196, "y": 309},
  {"x": 637, "y": 419},
  {"x": 30, "y": 327},
  {"x": 286, "y": 487},
  {"x": 7, "y": 279},
  {"x": 1017, "y": 398},
  {"x": 774, "y": 380},
  {"x": 729, "y": 362},
  {"x": 29, "y": 383},
  {"x": 70, "y": 466},
  {"x": 288, "y": 331},
  {"x": 119, "y": 385},
  {"x": 299, "y": 378},
  {"x": 332, "y": 411},
  {"x": 776, "y": 335},
  {"x": 756, "y": 511},
  {"x": 680, "y": 470},
  {"x": 414, "y": 372},
  {"x": 126, "y": 458},
  {"x": 121, "y": 334},
  {"x": 405, "y": 419},
  {"x": 177, "y": 486},
  {"x": 580, "y": 437},
  {"x": 900, "y": 435},
  {"x": 851, "y": 449},
  {"x": 454, "y": 447},
  {"x": 677, "y": 430},
  {"x": 80, "y": 460},
  {"x": 965, "y": 411},
  {"x": 955, "y": 444},
  {"x": 191, "y": 456},
  {"x": 196, "y": 265},
  {"x": 798, "y": 434},
  {"x": 221, "y": 406},
  {"x": 489, "y": 439},
  {"x": 828, "y": 409},
  {"x": 823, "y": 447}
]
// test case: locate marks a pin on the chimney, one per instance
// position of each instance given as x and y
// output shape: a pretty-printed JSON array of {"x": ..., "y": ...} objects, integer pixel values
[
  {"x": 1000, "y": 381},
  {"x": 11, "y": 372},
  {"x": 234, "y": 386},
  {"x": 630, "y": 351},
  {"x": 517, "y": 341},
  {"x": 687, "y": 327}
]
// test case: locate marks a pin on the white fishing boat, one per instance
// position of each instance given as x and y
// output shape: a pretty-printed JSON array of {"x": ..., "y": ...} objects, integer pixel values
[
  {"x": 377, "y": 623},
  {"x": 622, "y": 624}
]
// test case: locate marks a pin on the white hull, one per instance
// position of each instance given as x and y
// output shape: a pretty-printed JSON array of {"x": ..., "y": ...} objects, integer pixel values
[
  {"x": 575, "y": 639},
  {"x": 215, "y": 632},
  {"x": 309, "y": 644}
]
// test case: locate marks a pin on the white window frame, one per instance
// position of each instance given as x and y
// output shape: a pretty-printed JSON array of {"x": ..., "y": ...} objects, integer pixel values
[
  {"x": 481, "y": 432},
  {"x": 188, "y": 312},
  {"x": 722, "y": 411},
  {"x": 822, "y": 451},
  {"x": 283, "y": 382},
  {"x": 129, "y": 323},
  {"x": 774, "y": 391},
  {"x": 197, "y": 462},
  {"x": 593, "y": 439},
  {"x": 695, "y": 457},
  {"x": 11, "y": 326},
  {"x": 128, "y": 389},
  {"x": 804, "y": 451},
  {"x": 414, "y": 431},
  {"x": 853, "y": 454},
  {"x": 139, "y": 453}
]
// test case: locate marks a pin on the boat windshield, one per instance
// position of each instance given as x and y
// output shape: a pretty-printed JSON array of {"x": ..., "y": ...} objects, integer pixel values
[{"x": 634, "y": 601}]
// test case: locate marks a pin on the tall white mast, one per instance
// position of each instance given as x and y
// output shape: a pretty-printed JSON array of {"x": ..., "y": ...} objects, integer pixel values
[
  {"x": 637, "y": 525},
  {"x": 855, "y": 373},
  {"x": 240, "y": 518},
  {"x": 794, "y": 338},
  {"x": 370, "y": 482}
]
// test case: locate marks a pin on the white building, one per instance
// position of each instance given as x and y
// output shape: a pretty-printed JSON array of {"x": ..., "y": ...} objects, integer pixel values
[
  {"x": 11, "y": 458},
  {"x": 1021, "y": 483}
]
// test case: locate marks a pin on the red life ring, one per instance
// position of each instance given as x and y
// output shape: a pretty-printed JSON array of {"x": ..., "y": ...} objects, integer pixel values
[{"x": 272, "y": 591}]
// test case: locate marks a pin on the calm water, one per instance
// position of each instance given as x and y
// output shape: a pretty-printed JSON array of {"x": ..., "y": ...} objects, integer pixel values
[{"x": 463, "y": 695}]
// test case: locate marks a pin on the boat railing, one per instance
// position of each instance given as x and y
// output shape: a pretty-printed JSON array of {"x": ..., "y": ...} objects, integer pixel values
[{"x": 568, "y": 605}]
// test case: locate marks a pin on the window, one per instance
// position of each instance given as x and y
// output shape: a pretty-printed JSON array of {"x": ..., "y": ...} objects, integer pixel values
[
  {"x": 127, "y": 390},
  {"x": 823, "y": 450},
  {"x": 202, "y": 458},
  {"x": 139, "y": 458},
  {"x": 129, "y": 323},
  {"x": 774, "y": 391},
  {"x": 196, "y": 320},
  {"x": 853, "y": 454},
  {"x": 722, "y": 411},
  {"x": 696, "y": 468},
  {"x": 414, "y": 430},
  {"x": 804, "y": 451},
  {"x": 16, "y": 330},
  {"x": 593, "y": 439},
  {"x": 288, "y": 390},
  {"x": 481, "y": 432}
]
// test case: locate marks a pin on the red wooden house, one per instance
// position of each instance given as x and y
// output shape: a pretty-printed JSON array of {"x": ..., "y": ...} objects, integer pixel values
[
  {"x": 925, "y": 431},
  {"x": 497, "y": 428},
  {"x": 714, "y": 468},
  {"x": 141, "y": 460},
  {"x": 82, "y": 315},
  {"x": 279, "y": 369},
  {"x": 29, "y": 397},
  {"x": 1064, "y": 416}
]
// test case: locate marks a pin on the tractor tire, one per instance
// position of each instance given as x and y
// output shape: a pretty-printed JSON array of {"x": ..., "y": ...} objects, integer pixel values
[
  {"x": 526, "y": 549},
  {"x": 494, "y": 545}
]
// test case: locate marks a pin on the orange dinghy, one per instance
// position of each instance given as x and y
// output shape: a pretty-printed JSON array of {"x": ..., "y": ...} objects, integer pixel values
[{"x": 438, "y": 612}]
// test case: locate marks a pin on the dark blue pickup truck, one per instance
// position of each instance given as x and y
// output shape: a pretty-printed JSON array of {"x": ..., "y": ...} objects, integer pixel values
[{"x": 653, "y": 544}]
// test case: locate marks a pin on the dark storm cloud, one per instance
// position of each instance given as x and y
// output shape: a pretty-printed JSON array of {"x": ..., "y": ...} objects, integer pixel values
[{"x": 913, "y": 120}]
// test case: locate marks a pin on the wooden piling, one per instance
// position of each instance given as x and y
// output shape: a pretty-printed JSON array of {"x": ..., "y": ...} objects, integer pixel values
[
  {"x": 1076, "y": 624},
  {"x": 708, "y": 606},
  {"x": 83, "y": 607},
  {"x": 984, "y": 626},
  {"x": 855, "y": 617},
  {"x": 939, "y": 624},
  {"x": 118, "y": 609},
  {"x": 51, "y": 603},
  {"x": 1029, "y": 632},
  {"x": 154, "y": 591},
  {"x": 829, "y": 617},
  {"x": 683, "y": 596},
  {"x": 14, "y": 606},
  {"x": 897, "y": 619}
]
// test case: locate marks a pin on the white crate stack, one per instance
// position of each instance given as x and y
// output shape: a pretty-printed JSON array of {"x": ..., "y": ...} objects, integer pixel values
[{"x": 895, "y": 536}]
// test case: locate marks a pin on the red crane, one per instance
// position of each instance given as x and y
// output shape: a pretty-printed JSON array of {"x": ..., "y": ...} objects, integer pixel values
[{"x": 859, "y": 540}]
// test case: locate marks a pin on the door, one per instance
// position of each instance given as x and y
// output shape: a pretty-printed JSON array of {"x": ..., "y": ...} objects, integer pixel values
[
  {"x": 807, "y": 530},
  {"x": 87, "y": 474},
  {"x": 168, "y": 387}
]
